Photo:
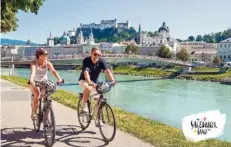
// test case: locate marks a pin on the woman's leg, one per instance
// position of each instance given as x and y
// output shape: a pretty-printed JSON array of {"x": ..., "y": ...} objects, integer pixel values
[{"x": 36, "y": 94}]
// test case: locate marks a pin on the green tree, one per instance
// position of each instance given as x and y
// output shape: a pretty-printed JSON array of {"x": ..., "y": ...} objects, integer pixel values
[
  {"x": 191, "y": 38},
  {"x": 183, "y": 55},
  {"x": 56, "y": 40},
  {"x": 150, "y": 34},
  {"x": 9, "y": 10},
  {"x": 199, "y": 38},
  {"x": 133, "y": 49},
  {"x": 216, "y": 60},
  {"x": 150, "y": 53},
  {"x": 164, "y": 52}
]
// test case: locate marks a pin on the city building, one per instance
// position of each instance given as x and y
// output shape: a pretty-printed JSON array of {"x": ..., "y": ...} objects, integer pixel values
[
  {"x": 149, "y": 51},
  {"x": 207, "y": 56},
  {"x": 71, "y": 32},
  {"x": 87, "y": 48},
  {"x": 224, "y": 50},
  {"x": 114, "y": 48},
  {"x": 50, "y": 40},
  {"x": 200, "y": 51},
  {"x": 80, "y": 38},
  {"x": 192, "y": 46},
  {"x": 104, "y": 24},
  {"x": 65, "y": 39},
  {"x": 90, "y": 40},
  {"x": 160, "y": 38},
  {"x": 28, "y": 52},
  {"x": 9, "y": 50}
]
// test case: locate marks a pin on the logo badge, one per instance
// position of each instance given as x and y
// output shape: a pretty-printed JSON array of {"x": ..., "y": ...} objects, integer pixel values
[{"x": 202, "y": 126}]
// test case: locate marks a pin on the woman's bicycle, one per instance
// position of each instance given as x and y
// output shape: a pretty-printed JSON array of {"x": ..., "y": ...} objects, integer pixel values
[
  {"x": 44, "y": 110},
  {"x": 101, "y": 112}
]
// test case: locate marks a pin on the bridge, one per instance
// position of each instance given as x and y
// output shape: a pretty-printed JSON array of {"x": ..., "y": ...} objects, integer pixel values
[{"x": 115, "y": 59}]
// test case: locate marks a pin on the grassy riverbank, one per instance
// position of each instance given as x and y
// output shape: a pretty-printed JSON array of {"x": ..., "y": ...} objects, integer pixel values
[
  {"x": 132, "y": 70},
  {"x": 208, "y": 77},
  {"x": 154, "y": 132}
]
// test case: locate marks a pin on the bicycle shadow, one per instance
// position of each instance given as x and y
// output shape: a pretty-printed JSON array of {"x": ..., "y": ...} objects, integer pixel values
[{"x": 70, "y": 135}]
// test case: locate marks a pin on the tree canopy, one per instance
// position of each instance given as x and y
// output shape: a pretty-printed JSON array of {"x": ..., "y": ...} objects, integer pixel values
[{"x": 10, "y": 8}]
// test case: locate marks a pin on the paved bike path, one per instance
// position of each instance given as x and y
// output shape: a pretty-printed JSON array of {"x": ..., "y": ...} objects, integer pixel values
[{"x": 16, "y": 125}]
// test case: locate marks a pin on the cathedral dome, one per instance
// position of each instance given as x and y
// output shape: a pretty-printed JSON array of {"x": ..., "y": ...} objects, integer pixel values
[{"x": 163, "y": 28}]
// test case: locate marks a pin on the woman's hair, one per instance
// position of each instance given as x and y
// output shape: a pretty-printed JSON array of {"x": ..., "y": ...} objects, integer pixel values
[{"x": 40, "y": 51}]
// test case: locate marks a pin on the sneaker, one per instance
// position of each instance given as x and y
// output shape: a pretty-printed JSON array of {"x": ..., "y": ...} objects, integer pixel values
[
  {"x": 85, "y": 108},
  {"x": 33, "y": 116},
  {"x": 99, "y": 123}
]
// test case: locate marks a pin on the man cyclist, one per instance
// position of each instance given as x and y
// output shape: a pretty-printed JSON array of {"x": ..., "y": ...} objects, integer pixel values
[
  {"x": 39, "y": 69},
  {"x": 92, "y": 67}
]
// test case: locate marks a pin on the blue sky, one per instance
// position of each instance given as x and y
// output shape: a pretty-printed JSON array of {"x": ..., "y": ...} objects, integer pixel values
[{"x": 183, "y": 17}]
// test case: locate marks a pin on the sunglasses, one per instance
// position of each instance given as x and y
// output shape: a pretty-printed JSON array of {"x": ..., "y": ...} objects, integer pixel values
[{"x": 95, "y": 54}]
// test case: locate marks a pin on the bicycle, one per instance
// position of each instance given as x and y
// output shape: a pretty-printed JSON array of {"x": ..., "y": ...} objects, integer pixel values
[
  {"x": 44, "y": 109},
  {"x": 101, "y": 103}
]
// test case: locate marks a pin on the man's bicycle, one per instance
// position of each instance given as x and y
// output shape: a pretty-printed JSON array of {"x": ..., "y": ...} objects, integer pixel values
[
  {"x": 101, "y": 112},
  {"x": 44, "y": 110}
]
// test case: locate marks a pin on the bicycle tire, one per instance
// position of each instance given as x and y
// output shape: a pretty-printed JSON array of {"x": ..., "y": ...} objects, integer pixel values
[
  {"x": 79, "y": 114},
  {"x": 53, "y": 132},
  {"x": 37, "y": 122},
  {"x": 107, "y": 139}
]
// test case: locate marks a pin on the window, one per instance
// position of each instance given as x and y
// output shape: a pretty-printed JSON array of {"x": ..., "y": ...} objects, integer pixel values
[
  {"x": 221, "y": 57},
  {"x": 228, "y": 57},
  {"x": 224, "y": 57},
  {"x": 221, "y": 45}
]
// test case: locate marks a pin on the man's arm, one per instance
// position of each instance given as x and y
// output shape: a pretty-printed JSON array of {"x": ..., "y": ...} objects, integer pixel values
[
  {"x": 107, "y": 71},
  {"x": 86, "y": 70},
  {"x": 109, "y": 74},
  {"x": 53, "y": 71}
]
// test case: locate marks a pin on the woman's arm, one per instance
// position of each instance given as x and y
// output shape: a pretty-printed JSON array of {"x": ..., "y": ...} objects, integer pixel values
[
  {"x": 53, "y": 71},
  {"x": 32, "y": 71}
]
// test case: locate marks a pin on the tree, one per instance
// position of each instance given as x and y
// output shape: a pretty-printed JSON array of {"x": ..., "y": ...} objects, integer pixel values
[
  {"x": 9, "y": 9},
  {"x": 56, "y": 40},
  {"x": 191, "y": 38},
  {"x": 150, "y": 53},
  {"x": 132, "y": 48},
  {"x": 199, "y": 38},
  {"x": 216, "y": 60},
  {"x": 183, "y": 55},
  {"x": 150, "y": 34},
  {"x": 164, "y": 52}
]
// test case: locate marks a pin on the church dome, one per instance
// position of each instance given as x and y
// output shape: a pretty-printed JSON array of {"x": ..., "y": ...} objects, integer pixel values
[
  {"x": 65, "y": 37},
  {"x": 163, "y": 28}
]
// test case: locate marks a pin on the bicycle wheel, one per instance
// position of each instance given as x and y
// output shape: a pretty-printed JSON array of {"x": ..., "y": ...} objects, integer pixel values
[
  {"x": 37, "y": 122},
  {"x": 106, "y": 122},
  {"x": 83, "y": 117},
  {"x": 49, "y": 125}
]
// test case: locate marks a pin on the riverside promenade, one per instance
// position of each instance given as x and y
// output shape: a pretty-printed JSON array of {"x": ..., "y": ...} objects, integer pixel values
[{"x": 17, "y": 128}]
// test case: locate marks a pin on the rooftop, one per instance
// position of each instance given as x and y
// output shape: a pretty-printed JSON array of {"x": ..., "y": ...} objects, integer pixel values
[{"x": 226, "y": 40}]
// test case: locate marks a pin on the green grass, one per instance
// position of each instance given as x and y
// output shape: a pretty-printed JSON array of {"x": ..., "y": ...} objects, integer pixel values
[
  {"x": 154, "y": 132},
  {"x": 211, "y": 77},
  {"x": 131, "y": 70},
  {"x": 206, "y": 69}
]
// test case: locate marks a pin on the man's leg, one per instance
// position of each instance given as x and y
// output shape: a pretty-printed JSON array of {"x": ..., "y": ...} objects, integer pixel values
[{"x": 86, "y": 93}]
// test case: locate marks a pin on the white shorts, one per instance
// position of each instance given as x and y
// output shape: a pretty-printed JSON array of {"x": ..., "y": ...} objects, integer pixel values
[{"x": 84, "y": 84}]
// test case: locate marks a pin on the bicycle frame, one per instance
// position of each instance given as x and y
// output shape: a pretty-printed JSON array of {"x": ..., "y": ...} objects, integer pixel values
[{"x": 94, "y": 108}]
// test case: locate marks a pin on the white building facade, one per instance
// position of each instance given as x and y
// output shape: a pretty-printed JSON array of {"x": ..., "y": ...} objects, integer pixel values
[
  {"x": 224, "y": 50},
  {"x": 161, "y": 38},
  {"x": 104, "y": 24}
]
